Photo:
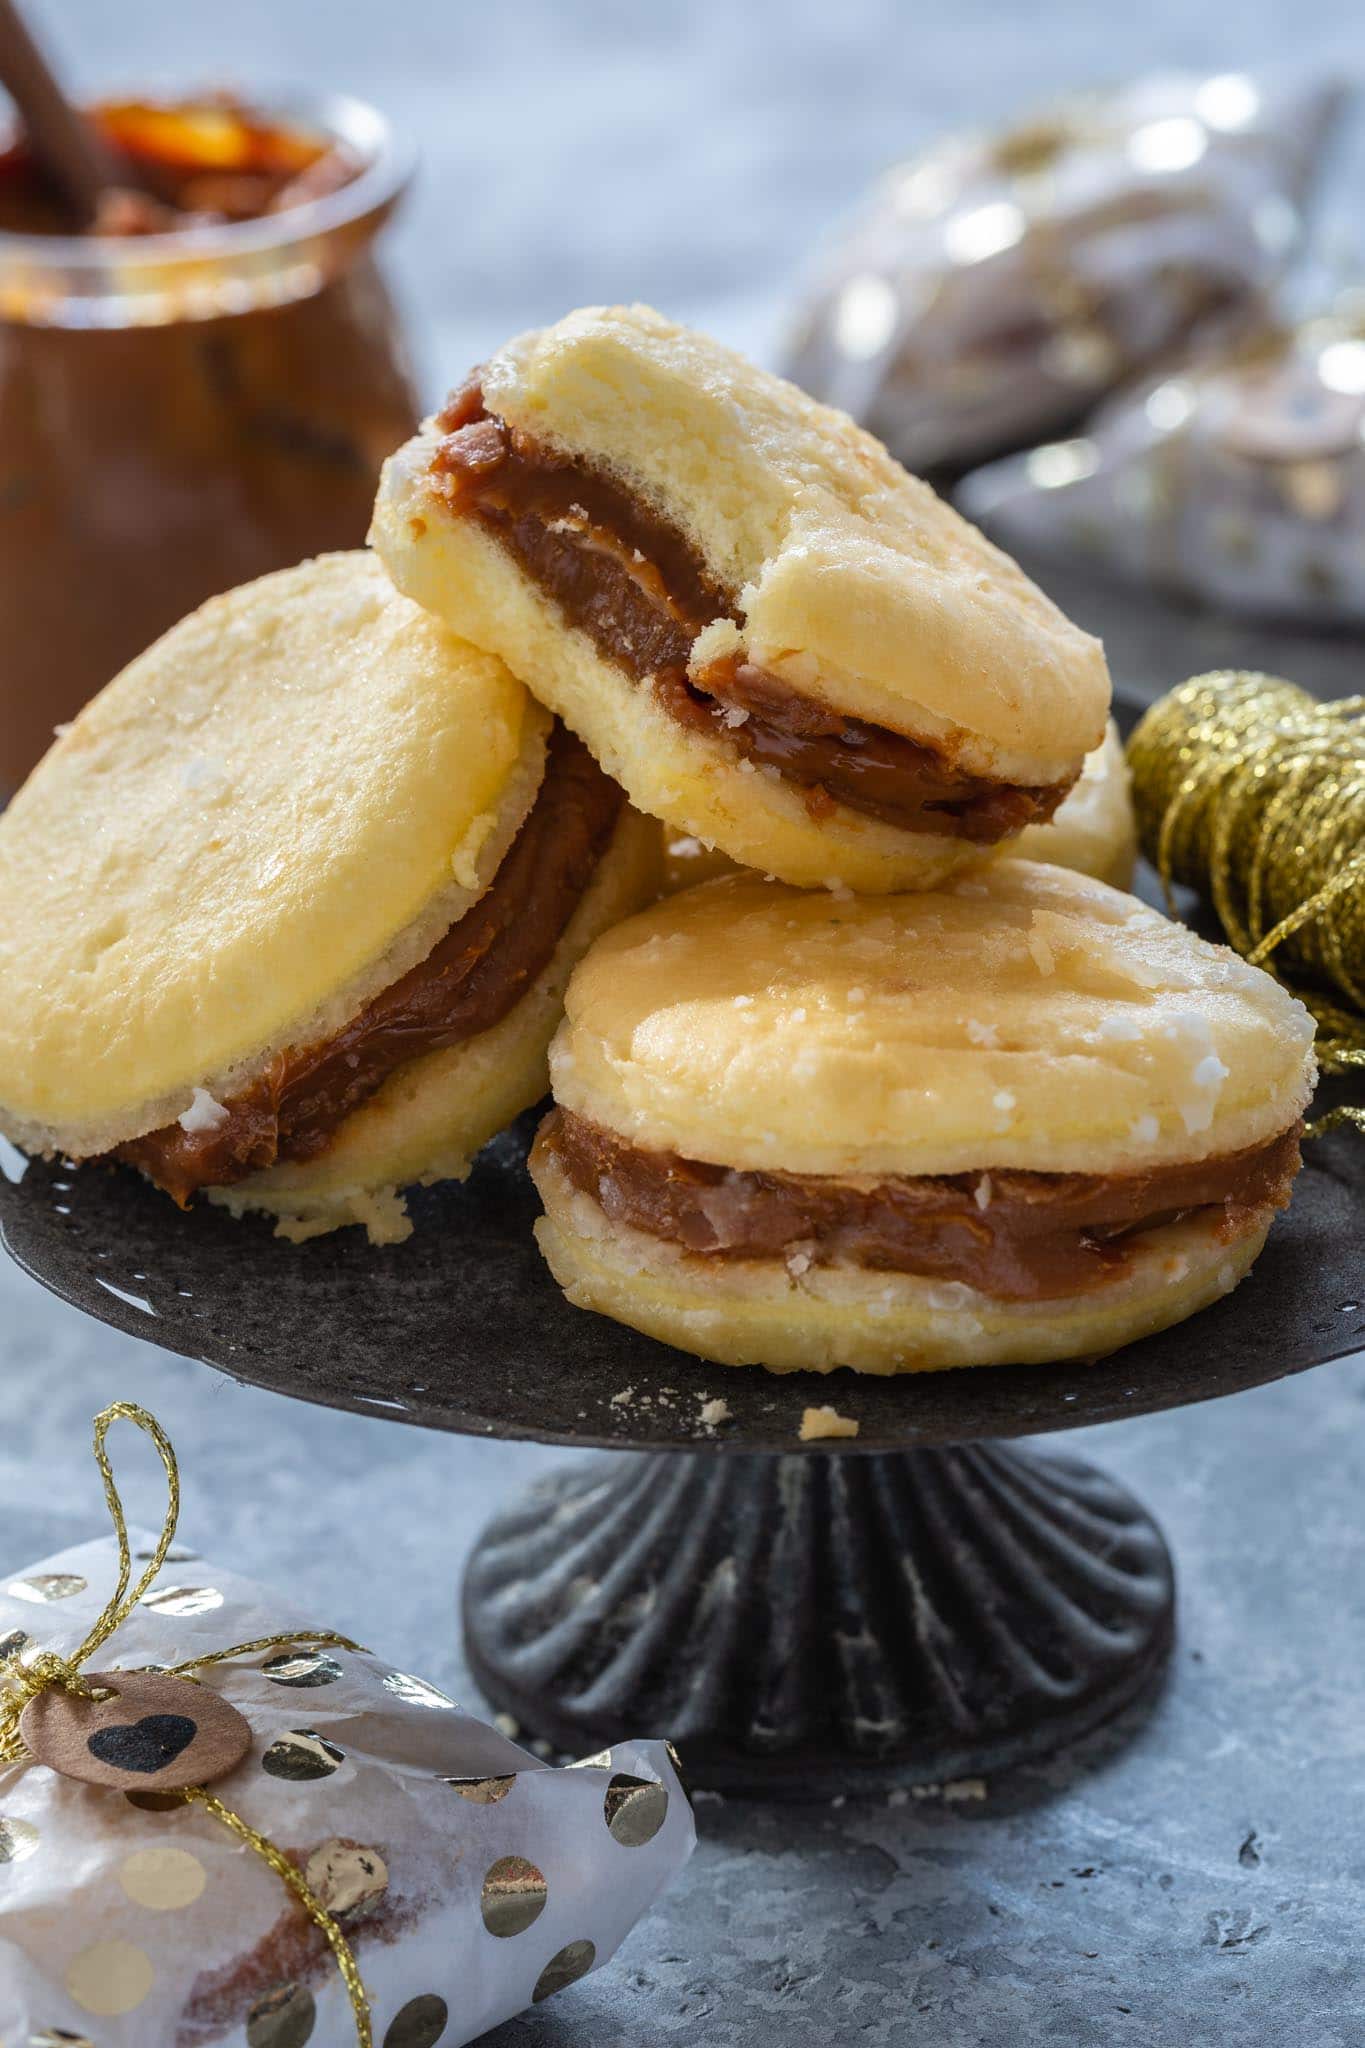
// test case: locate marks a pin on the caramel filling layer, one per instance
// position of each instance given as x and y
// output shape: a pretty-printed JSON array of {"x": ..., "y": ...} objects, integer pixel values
[
  {"x": 637, "y": 588},
  {"x": 1014, "y": 1236},
  {"x": 467, "y": 983}
]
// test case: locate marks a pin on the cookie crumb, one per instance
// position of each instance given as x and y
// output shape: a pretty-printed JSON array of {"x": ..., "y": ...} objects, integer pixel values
[
  {"x": 203, "y": 1114},
  {"x": 822, "y": 1422},
  {"x": 714, "y": 1412},
  {"x": 1043, "y": 957}
]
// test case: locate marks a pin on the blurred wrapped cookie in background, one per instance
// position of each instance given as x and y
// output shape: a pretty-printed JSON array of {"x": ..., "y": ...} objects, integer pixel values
[
  {"x": 989, "y": 292},
  {"x": 1236, "y": 478}
]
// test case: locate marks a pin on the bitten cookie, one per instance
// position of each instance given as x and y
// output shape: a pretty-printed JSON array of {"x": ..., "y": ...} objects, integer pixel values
[
  {"x": 287, "y": 914},
  {"x": 774, "y": 638},
  {"x": 1020, "y": 1118}
]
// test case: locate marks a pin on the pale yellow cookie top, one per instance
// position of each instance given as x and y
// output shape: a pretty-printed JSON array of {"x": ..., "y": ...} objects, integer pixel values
[
  {"x": 1022, "y": 1016},
  {"x": 265, "y": 817},
  {"x": 853, "y": 577}
]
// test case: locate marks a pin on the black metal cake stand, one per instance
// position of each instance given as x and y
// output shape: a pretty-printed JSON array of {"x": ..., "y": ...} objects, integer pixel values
[{"x": 926, "y": 1598}]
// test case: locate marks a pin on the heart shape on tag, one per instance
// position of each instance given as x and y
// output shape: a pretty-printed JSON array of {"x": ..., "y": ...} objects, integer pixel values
[
  {"x": 144, "y": 1746},
  {"x": 155, "y": 1730}
]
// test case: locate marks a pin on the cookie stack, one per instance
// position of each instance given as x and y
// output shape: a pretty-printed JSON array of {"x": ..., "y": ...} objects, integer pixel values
[{"x": 883, "y": 1098}]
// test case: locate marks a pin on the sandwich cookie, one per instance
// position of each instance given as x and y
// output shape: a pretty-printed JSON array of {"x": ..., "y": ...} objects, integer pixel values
[
  {"x": 287, "y": 914},
  {"x": 775, "y": 639},
  {"x": 1019, "y": 1118}
]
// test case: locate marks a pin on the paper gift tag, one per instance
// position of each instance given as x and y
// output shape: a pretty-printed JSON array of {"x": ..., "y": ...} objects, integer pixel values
[{"x": 152, "y": 1733}]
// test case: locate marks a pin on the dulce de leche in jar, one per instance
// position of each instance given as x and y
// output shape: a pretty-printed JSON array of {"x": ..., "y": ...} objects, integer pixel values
[{"x": 200, "y": 389}]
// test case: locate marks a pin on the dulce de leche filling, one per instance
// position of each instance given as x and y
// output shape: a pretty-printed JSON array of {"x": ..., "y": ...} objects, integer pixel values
[
  {"x": 1014, "y": 1236},
  {"x": 466, "y": 984},
  {"x": 623, "y": 575}
]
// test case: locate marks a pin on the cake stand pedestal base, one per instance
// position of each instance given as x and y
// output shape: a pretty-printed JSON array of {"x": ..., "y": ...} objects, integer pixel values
[{"x": 796, "y": 1622}]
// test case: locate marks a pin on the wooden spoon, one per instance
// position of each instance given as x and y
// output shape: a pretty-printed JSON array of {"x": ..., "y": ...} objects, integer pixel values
[{"x": 68, "y": 147}]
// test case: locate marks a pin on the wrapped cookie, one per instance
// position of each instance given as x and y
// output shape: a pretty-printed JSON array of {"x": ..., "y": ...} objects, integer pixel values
[
  {"x": 1236, "y": 477},
  {"x": 216, "y": 1825},
  {"x": 989, "y": 292}
]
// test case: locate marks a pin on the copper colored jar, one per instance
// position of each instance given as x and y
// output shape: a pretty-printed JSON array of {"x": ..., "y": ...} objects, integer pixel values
[{"x": 181, "y": 411}]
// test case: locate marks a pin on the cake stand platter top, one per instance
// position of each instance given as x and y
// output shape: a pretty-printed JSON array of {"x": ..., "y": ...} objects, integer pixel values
[{"x": 463, "y": 1328}]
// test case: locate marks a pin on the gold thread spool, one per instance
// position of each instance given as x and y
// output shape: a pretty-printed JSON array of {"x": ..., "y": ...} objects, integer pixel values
[{"x": 1252, "y": 793}]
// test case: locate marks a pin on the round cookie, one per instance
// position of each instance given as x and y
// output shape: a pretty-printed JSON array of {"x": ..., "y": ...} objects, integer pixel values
[
  {"x": 775, "y": 639},
  {"x": 1020, "y": 1118},
  {"x": 245, "y": 870}
]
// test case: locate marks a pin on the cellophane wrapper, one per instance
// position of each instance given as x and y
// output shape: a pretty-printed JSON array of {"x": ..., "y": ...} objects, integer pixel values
[
  {"x": 1236, "y": 477},
  {"x": 988, "y": 293},
  {"x": 398, "y": 1836}
]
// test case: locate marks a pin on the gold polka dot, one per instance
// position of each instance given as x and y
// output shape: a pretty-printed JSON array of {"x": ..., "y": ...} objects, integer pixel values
[
  {"x": 482, "y": 1791},
  {"x": 573, "y": 1961},
  {"x": 111, "y": 1978},
  {"x": 156, "y": 1802},
  {"x": 415, "y": 1691},
  {"x": 420, "y": 2024},
  {"x": 18, "y": 1839},
  {"x": 347, "y": 1879},
  {"x": 163, "y": 1879},
  {"x": 45, "y": 1587},
  {"x": 284, "y": 2018},
  {"x": 181, "y": 1600},
  {"x": 635, "y": 1809},
  {"x": 513, "y": 1897},
  {"x": 302, "y": 1754},
  {"x": 302, "y": 1668},
  {"x": 11, "y": 1643}
]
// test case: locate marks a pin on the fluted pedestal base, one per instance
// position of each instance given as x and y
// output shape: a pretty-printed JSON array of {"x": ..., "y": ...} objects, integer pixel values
[{"x": 795, "y": 1622}]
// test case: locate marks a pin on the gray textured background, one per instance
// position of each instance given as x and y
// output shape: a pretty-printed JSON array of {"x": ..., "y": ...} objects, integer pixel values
[{"x": 1201, "y": 1884}]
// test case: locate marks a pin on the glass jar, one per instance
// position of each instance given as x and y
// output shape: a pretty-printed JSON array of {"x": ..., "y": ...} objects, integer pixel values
[{"x": 182, "y": 411}]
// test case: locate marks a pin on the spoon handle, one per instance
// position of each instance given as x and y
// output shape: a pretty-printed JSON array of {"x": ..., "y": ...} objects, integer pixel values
[{"x": 63, "y": 141}]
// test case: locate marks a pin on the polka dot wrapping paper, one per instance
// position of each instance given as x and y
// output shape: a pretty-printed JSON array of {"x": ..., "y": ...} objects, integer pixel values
[
  {"x": 989, "y": 292},
  {"x": 1234, "y": 477},
  {"x": 470, "y": 1878}
]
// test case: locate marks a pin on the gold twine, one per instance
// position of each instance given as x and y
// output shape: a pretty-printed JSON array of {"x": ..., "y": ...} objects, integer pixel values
[
  {"x": 24, "y": 1682},
  {"x": 1252, "y": 793}
]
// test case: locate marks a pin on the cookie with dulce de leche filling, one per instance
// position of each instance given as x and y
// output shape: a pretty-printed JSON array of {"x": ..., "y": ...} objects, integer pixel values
[
  {"x": 1019, "y": 1118},
  {"x": 286, "y": 916},
  {"x": 774, "y": 638}
]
